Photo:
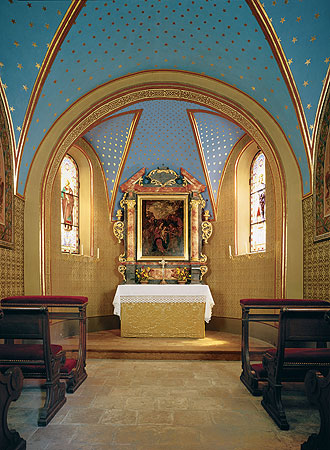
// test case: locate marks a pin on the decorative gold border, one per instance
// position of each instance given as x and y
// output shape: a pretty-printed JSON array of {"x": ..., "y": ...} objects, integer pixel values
[
  {"x": 270, "y": 34},
  {"x": 140, "y": 198},
  {"x": 199, "y": 146},
  {"x": 63, "y": 29}
]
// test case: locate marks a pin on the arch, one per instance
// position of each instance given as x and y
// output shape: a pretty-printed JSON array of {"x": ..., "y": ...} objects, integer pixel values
[{"x": 109, "y": 98}]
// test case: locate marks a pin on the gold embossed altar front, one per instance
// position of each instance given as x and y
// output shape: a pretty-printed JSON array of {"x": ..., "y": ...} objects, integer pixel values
[{"x": 163, "y": 310}]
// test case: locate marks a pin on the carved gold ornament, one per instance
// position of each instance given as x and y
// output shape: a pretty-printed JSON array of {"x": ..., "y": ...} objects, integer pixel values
[
  {"x": 203, "y": 270},
  {"x": 122, "y": 271},
  {"x": 118, "y": 230},
  {"x": 121, "y": 258},
  {"x": 207, "y": 230},
  {"x": 163, "y": 177},
  {"x": 203, "y": 258}
]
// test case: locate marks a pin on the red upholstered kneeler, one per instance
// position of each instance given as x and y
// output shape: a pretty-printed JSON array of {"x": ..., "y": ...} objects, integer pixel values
[
  {"x": 263, "y": 310},
  {"x": 68, "y": 308}
]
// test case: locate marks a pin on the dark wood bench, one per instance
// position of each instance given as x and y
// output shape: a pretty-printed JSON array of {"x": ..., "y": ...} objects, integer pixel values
[
  {"x": 11, "y": 383},
  {"x": 36, "y": 360},
  {"x": 318, "y": 392},
  {"x": 62, "y": 308},
  {"x": 263, "y": 310},
  {"x": 294, "y": 356}
]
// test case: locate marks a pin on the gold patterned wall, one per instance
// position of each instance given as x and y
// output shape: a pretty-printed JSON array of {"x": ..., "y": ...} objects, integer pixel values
[
  {"x": 247, "y": 275},
  {"x": 96, "y": 278},
  {"x": 316, "y": 258},
  {"x": 12, "y": 260}
]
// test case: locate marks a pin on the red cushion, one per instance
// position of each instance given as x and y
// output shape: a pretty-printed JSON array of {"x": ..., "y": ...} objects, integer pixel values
[
  {"x": 69, "y": 365},
  {"x": 305, "y": 355},
  {"x": 52, "y": 300},
  {"x": 282, "y": 302},
  {"x": 25, "y": 351},
  {"x": 259, "y": 370}
]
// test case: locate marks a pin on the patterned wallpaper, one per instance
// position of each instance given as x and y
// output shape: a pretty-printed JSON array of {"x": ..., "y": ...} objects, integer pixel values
[
  {"x": 12, "y": 260},
  {"x": 316, "y": 258}
]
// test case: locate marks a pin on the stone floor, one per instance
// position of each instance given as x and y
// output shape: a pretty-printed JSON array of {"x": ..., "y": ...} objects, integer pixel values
[{"x": 151, "y": 405}]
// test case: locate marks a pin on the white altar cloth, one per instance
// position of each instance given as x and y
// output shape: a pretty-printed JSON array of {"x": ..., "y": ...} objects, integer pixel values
[{"x": 164, "y": 293}]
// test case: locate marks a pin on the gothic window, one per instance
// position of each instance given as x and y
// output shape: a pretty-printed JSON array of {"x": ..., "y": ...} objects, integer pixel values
[
  {"x": 69, "y": 205},
  {"x": 258, "y": 204}
]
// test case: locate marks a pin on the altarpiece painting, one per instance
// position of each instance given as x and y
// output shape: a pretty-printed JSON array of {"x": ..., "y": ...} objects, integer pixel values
[{"x": 162, "y": 227}]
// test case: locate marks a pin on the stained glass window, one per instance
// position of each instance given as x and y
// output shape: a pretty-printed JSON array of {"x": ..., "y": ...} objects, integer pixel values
[
  {"x": 69, "y": 205},
  {"x": 258, "y": 204}
]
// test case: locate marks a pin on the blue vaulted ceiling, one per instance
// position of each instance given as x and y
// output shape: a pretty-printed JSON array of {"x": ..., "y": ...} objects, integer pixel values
[
  {"x": 110, "y": 39},
  {"x": 164, "y": 137}
]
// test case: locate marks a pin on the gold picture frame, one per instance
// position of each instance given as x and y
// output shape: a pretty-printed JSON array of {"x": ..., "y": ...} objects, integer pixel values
[{"x": 162, "y": 227}]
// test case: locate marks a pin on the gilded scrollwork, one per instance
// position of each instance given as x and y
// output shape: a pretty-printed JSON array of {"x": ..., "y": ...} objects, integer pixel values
[
  {"x": 118, "y": 230},
  {"x": 122, "y": 258},
  {"x": 122, "y": 271},
  {"x": 163, "y": 177},
  {"x": 203, "y": 258},
  {"x": 207, "y": 230},
  {"x": 203, "y": 270}
]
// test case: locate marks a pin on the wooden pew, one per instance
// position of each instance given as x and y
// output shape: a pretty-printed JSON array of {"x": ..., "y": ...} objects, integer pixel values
[
  {"x": 318, "y": 392},
  {"x": 11, "y": 383},
  {"x": 62, "y": 308},
  {"x": 263, "y": 310},
  {"x": 297, "y": 326},
  {"x": 36, "y": 360}
]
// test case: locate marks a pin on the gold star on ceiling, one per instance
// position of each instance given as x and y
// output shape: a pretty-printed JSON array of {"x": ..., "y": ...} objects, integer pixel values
[
  {"x": 317, "y": 15},
  {"x": 19, "y": 66},
  {"x": 18, "y": 128},
  {"x": 31, "y": 24},
  {"x": 309, "y": 106},
  {"x": 290, "y": 61},
  {"x": 305, "y": 83},
  {"x": 34, "y": 44},
  {"x": 1, "y": 64},
  {"x": 47, "y": 25},
  {"x": 282, "y": 20},
  {"x": 313, "y": 38},
  {"x": 294, "y": 40},
  {"x": 37, "y": 65},
  {"x": 25, "y": 87},
  {"x": 307, "y": 62},
  {"x": 16, "y": 43},
  {"x": 311, "y": 127},
  {"x": 13, "y": 21},
  {"x": 298, "y": 19},
  {"x": 327, "y": 60},
  {"x": 12, "y": 109},
  {"x": 4, "y": 86}
]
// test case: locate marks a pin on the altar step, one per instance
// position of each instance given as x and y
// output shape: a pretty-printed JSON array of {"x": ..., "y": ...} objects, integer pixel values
[{"x": 216, "y": 346}]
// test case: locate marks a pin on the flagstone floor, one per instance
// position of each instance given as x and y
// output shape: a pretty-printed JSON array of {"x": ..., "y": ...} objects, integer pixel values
[{"x": 168, "y": 405}]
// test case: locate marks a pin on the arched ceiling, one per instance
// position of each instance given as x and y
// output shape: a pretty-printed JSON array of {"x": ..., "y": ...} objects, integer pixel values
[
  {"x": 168, "y": 133},
  {"x": 54, "y": 52}
]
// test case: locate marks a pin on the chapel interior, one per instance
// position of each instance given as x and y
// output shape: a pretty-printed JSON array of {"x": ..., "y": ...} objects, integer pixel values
[{"x": 225, "y": 100}]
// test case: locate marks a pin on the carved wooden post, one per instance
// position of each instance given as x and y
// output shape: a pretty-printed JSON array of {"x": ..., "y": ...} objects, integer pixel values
[
  {"x": 318, "y": 393},
  {"x": 10, "y": 389}
]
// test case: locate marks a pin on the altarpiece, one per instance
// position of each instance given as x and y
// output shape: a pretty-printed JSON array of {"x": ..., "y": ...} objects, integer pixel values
[{"x": 163, "y": 224}]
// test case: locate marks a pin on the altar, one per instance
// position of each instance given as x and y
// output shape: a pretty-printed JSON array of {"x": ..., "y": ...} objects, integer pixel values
[{"x": 163, "y": 310}]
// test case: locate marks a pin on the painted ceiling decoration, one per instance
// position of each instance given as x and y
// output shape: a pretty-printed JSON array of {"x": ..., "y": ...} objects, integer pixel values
[{"x": 54, "y": 52}]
